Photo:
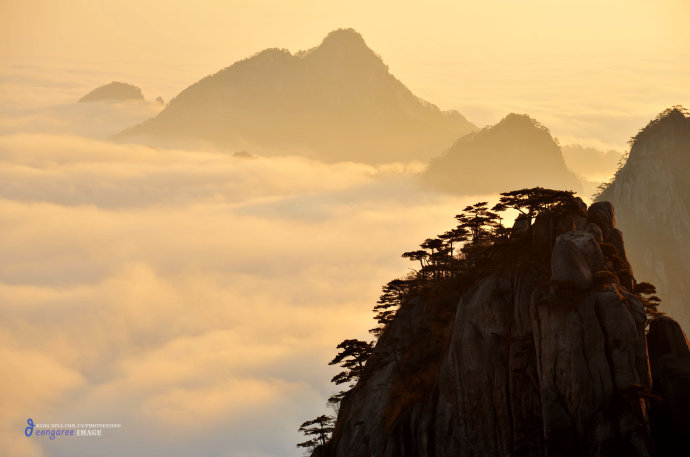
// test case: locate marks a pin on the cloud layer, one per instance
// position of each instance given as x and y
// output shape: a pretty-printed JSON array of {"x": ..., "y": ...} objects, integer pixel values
[{"x": 192, "y": 296}]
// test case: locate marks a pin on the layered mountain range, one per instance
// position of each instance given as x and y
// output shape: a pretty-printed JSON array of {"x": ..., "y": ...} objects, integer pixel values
[{"x": 335, "y": 102}]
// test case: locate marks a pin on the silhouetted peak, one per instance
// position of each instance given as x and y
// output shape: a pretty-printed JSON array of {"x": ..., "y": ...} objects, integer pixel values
[
  {"x": 516, "y": 152},
  {"x": 514, "y": 127},
  {"x": 670, "y": 122},
  {"x": 115, "y": 91},
  {"x": 344, "y": 37},
  {"x": 346, "y": 46},
  {"x": 674, "y": 113},
  {"x": 273, "y": 53},
  {"x": 335, "y": 101},
  {"x": 519, "y": 122}
]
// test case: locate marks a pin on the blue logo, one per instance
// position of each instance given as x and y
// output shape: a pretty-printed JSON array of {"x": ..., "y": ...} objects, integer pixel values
[{"x": 30, "y": 429}]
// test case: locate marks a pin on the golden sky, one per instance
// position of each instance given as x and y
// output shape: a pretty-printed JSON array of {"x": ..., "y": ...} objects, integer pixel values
[{"x": 592, "y": 71}]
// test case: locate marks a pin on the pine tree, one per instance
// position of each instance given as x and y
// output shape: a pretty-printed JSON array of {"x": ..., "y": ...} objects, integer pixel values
[
  {"x": 479, "y": 221},
  {"x": 531, "y": 202},
  {"x": 317, "y": 431},
  {"x": 394, "y": 294},
  {"x": 352, "y": 357}
]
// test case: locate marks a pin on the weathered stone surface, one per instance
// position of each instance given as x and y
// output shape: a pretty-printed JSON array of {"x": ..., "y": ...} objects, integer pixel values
[
  {"x": 361, "y": 425},
  {"x": 473, "y": 386},
  {"x": 521, "y": 227},
  {"x": 524, "y": 371},
  {"x": 587, "y": 352},
  {"x": 588, "y": 247},
  {"x": 596, "y": 232},
  {"x": 582, "y": 206},
  {"x": 604, "y": 215},
  {"x": 669, "y": 357},
  {"x": 569, "y": 267},
  {"x": 542, "y": 232}
]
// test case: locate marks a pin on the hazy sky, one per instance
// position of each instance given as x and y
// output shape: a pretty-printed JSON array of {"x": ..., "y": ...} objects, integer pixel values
[
  {"x": 592, "y": 71},
  {"x": 195, "y": 297}
]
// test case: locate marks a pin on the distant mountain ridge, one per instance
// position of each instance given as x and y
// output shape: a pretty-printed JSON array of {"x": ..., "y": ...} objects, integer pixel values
[
  {"x": 337, "y": 101},
  {"x": 115, "y": 91},
  {"x": 517, "y": 152},
  {"x": 652, "y": 199}
]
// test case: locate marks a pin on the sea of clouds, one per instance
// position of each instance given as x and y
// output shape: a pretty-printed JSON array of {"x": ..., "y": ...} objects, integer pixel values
[{"x": 194, "y": 297}]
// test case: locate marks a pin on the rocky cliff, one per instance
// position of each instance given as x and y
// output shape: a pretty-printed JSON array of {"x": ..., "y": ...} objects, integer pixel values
[
  {"x": 652, "y": 196},
  {"x": 545, "y": 353}
]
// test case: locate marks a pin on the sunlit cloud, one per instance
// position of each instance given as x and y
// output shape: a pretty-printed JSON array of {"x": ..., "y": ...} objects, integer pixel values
[{"x": 183, "y": 288}]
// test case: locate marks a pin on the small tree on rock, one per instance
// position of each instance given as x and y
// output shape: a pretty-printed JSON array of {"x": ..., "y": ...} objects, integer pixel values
[
  {"x": 352, "y": 357},
  {"x": 479, "y": 221},
  {"x": 394, "y": 294},
  {"x": 317, "y": 431},
  {"x": 531, "y": 202},
  {"x": 650, "y": 301}
]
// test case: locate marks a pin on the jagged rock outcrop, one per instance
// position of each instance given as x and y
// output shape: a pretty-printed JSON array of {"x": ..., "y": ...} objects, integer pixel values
[
  {"x": 113, "y": 92},
  {"x": 337, "y": 101},
  {"x": 652, "y": 198},
  {"x": 547, "y": 356}
]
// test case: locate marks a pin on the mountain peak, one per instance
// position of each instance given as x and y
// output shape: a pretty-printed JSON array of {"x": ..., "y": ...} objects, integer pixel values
[
  {"x": 346, "y": 45},
  {"x": 520, "y": 121},
  {"x": 336, "y": 101},
  {"x": 652, "y": 194},
  {"x": 667, "y": 122},
  {"x": 115, "y": 91},
  {"x": 517, "y": 152},
  {"x": 344, "y": 37}
]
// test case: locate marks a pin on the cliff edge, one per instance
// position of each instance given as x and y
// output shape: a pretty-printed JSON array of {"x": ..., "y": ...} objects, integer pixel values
[{"x": 537, "y": 345}]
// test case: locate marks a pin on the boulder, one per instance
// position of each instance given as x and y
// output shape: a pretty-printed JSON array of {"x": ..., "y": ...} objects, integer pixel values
[
  {"x": 669, "y": 359},
  {"x": 582, "y": 206},
  {"x": 604, "y": 215},
  {"x": 569, "y": 267},
  {"x": 520, "y": 227},
  {"x": 588, "y": 247},
  {"x": 596, "y": 232}
]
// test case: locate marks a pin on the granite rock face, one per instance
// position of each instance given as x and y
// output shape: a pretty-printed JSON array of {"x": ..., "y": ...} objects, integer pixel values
[
  {"x": 652, "y": 199},
  {"x": 575, "y": 259},
  {"x": 669, "y": 356},
  {"x": 541, "y": 358}
]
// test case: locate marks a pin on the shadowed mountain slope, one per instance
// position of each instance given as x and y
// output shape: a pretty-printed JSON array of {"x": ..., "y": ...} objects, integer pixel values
[{"x": 652, "y": 198}]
